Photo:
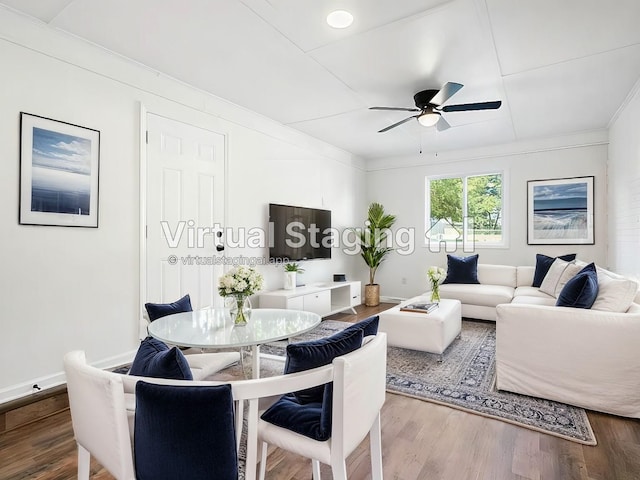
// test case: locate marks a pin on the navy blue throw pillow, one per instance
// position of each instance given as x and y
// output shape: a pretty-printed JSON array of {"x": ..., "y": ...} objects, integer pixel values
[
  {"x": 184, "y": 432},
  {"x": 155, "y": 359},
  {"x": 312, "y": 420},
  {"x": 158, "y": 310},
  {"x": 543, "y": 264},
  {"x": 317, "y": 353},
  {"x": 462, "y": 269},
  {"x": 369, "y": 326},
  {"x": 581, "y": 291}
]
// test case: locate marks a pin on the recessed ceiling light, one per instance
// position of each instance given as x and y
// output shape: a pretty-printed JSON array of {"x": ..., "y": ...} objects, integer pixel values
[{"x": 340, "y": 19}]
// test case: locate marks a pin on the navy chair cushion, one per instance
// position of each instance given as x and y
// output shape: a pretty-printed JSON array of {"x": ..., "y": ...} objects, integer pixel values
[
  {"x": 155, "y": 359},
  {"x": 369, "y": 326},
  {"x": 308, "y": 412},
  {"x": 462, "y": 269},
  {"x": 158, "y": 310},
  {"x": 543, "y": 264},
  {"x": 316, "y": 353},
  {"x": 312, "y": 420},
  {"x": 184, "y": 432},
  {"x": 581, "y": 291}
]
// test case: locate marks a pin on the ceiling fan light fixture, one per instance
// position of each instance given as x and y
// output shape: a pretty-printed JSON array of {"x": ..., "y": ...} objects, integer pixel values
[
  {"x": 429, "y": 119},
  {"x": 340, "y": 19}
]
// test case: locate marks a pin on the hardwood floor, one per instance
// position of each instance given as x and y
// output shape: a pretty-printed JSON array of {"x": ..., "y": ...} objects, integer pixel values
[{"x": 420, "y": 440}]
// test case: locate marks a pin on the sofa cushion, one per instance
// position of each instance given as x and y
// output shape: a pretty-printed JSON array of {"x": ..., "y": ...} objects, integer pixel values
[
  {"x": 525, "y": 275},
  {"x": 615, "y": 293},
  {"x": 543, "y": 263},
  {"x": 581, "y": 291},
  {"x": 497, "y": 275},
  {"x": 482, "y": 295},
  {"x": 542, "y": 299},
  {"x": 552, "y": 277},
  {"x": 462, "y": 269},
  {"x": 573, "y": 268},
  {"x": 531, "y": 292}
]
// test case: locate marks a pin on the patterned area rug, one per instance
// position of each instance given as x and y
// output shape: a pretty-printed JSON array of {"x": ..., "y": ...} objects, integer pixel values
[{"x": 465, "y": 379}]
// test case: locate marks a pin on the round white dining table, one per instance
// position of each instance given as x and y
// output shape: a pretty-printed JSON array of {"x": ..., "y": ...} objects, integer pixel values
[{"x": 212, "y": 328}]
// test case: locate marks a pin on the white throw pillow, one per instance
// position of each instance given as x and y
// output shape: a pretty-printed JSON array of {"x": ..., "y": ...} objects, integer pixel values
[
  {"x": 552, "y": 277},
  {"x": 614, "y": 294},
  {"x": 571, "y": 271}
]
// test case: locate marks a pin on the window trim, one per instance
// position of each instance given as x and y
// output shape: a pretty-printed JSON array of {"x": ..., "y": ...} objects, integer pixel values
[{"x": 470, "y": 246}]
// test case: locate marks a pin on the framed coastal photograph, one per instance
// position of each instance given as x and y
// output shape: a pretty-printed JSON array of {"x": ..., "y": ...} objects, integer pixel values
[
  {"x": 59, "y": 165},
  {"x": 560, "y": 211}
]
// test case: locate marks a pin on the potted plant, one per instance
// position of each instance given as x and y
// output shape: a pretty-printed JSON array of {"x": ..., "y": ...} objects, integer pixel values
[
  {"x": 374, "y": 248},
  {"x": 290, "y": 273}
]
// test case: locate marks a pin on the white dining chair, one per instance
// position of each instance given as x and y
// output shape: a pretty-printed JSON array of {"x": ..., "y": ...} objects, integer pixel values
[
  {"x": 174, "y": 424},
  {"x": 359, "y": 388},
  {"x": 103, "y": 409}
]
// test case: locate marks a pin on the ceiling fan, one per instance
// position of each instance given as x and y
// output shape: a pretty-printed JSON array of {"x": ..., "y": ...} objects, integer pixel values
[{"x": 428, "y": 103}]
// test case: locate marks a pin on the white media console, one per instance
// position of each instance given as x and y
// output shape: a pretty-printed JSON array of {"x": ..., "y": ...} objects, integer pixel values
[{"x": 321, "y": 298}]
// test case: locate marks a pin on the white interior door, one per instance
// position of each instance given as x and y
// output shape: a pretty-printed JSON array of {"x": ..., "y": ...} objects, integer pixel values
[{"x": 184, "y": 207}]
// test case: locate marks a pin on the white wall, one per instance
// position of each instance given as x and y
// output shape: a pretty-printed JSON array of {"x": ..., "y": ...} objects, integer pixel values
[
  {"x": 624, "y": 194},
  {"x": 78, "y": 288},
  {"x": 399, "y": 184}
]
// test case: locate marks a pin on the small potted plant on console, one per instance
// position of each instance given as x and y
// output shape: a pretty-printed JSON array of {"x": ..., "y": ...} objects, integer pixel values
[{"x": 291, "y": 271}]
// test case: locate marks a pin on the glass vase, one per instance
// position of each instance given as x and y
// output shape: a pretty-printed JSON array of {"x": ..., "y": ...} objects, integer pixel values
[
  {"x": 435, "y": 293},
  {"x": 239, "y": 309}
]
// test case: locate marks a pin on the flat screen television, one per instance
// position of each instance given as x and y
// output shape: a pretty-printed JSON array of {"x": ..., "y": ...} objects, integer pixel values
[{"x": 298, "y": 233}]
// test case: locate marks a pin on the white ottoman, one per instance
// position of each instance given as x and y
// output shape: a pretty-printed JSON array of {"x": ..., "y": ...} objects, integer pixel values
[{"x": 428, "y": 332}]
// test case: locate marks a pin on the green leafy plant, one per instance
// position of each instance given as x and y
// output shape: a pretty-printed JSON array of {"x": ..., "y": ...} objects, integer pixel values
[
  {"x": 373, "y": 238},
  {"x": 293, "y": 267}
]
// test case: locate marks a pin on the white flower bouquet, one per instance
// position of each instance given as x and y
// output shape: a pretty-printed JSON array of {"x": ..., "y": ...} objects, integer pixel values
[
  {"x": 435, "y": 274},
  {"x": 240, "y": 281}
]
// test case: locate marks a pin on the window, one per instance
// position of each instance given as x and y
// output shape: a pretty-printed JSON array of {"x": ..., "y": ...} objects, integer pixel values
[{"x": 467, "y": 210}]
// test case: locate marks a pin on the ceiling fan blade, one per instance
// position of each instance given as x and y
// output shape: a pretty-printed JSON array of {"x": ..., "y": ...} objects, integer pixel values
[
  {"x": 447, "y": 91},
  {"x": 398, "y": 123},
  {"x": 472, "y": 106},
  {"x": 442, "y": 125},
  {"x": 401, "y": 109}
]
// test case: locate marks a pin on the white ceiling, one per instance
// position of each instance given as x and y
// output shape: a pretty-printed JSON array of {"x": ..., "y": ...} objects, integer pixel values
[{"x": 559, "y": 66}]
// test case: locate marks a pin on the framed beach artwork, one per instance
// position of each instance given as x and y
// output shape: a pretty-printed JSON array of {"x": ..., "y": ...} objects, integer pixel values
[
  {"x": 59, "y": 165},
  {"x": 560, "y": 211}
]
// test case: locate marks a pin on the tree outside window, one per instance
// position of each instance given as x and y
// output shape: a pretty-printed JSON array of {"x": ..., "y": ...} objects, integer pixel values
[{"x": 465, "y": 209}]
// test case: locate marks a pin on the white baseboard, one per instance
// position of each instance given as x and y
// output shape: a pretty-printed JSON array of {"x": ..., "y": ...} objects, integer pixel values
[
  {"x": 21, "y": 390},
  {"x": 14, "y": 392},
  {"x": 392, "y": 299}
]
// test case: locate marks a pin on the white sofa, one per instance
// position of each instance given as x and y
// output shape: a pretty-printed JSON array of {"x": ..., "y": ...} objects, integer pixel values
[
  {"x": 583, "y": 357},
  {"x": 498, "y": 284}
]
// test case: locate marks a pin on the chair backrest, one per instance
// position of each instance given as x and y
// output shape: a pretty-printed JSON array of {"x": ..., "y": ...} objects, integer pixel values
[
  {"x": 185, "y": 432},
  {"x": 98, "y": 413},
  {"x": 359, "y": 389}
]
